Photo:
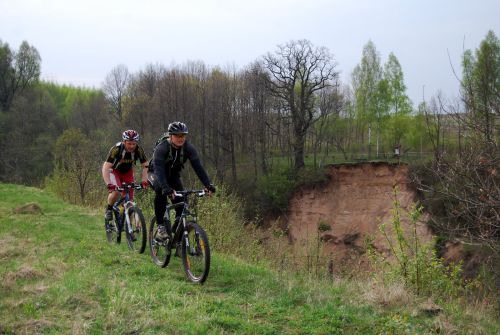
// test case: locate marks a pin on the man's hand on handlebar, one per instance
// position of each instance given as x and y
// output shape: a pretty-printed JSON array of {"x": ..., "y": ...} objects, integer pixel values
[
  {"x": 169, "y": 192},
  {"x": 210, "y": 189}
]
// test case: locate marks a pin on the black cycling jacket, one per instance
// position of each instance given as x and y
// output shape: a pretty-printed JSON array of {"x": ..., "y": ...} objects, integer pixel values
[{"x": 168, "y": 163}]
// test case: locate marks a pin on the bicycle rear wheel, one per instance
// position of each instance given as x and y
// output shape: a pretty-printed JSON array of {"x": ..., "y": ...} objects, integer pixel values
[
  {"x": 111, "y": 230},
  {"x": 195, "y": 253},
  {"x": 137, "y": 239},
  {"x": 158, "y": 249}
]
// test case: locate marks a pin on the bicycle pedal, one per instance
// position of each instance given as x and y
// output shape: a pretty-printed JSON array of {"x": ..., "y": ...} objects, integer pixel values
[{"x": 161, "y": 241}]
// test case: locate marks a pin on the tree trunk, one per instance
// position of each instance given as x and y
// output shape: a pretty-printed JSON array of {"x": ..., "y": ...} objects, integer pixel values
[{"x": 298, "y": 150}]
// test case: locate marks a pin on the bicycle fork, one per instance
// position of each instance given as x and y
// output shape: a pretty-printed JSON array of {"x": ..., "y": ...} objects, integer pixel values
[
  {"x": 186, "y": 238},
  {"x": 196, "y": 246},
  {"x": 127, "y": 223}
]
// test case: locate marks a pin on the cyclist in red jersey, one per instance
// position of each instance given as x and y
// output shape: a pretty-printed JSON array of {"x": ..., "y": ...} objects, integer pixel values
[{"x": 119, "y": 167}]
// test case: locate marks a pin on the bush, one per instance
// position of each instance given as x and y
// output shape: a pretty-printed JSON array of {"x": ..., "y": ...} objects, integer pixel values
[
  {"x": 76, "y": 177},
  {"x": 277, "y": 188},
  {"x": 416, "y": 264}
]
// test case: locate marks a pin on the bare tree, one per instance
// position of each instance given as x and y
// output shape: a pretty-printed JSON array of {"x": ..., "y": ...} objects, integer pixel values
[
  {"x": 255, "y": 123},
  {"x": 330, "y": 104},
  {"x": 344, "y": 123},
  {"x": 114, "y": 88},
  {"x": 298, "y": 70},
  {"x": 463, "y": 190},
  {"x": 435, "y": 114}
]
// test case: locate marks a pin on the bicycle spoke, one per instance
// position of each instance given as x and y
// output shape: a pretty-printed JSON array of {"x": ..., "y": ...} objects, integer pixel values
[
  {"x": 137, "y": 239},
  {"x": 159, "y": 250},
  {"x": 196, "y": 254}
]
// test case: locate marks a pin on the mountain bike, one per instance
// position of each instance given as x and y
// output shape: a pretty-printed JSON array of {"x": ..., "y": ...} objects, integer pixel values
[
  {"x": 127, "y": 216},
  {"x": 189, "y": 239}
]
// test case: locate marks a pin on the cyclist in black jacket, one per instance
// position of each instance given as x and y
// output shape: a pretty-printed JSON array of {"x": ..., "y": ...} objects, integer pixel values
[{"x": 165, "y": 171}]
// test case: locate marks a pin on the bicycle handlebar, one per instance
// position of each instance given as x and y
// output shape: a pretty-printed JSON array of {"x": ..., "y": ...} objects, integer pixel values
[
  {"x": 129, "y": 186},
  {"x": 182, "y": 194}
]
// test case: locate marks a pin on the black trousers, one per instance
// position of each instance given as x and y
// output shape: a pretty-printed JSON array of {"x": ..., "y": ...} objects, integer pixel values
[{"x": 160, "y": 201}]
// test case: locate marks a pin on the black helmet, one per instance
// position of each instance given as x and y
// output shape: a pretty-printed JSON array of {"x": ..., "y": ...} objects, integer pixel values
[{"x": 177, "y": 128}]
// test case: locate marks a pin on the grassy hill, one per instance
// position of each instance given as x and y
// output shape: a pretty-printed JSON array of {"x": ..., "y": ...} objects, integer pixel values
[{"x": 59, "y": 275}]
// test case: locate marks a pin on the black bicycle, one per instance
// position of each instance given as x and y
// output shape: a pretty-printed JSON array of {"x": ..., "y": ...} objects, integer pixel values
[
  {"x": 189, "y": 240},
  {"x": 127, "y": 216}
]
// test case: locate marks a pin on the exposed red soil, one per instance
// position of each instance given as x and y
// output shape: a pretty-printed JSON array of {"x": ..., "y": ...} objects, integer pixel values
[{"x": 353, "y": 203}]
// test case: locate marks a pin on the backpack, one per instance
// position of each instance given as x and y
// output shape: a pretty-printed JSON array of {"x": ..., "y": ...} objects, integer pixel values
[
  {"x": 163, "y": 138},
  {"x": 121, "y": 154}
]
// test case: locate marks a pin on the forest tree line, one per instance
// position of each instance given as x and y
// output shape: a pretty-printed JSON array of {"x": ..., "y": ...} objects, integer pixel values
[{"x": 285, "y": 111}]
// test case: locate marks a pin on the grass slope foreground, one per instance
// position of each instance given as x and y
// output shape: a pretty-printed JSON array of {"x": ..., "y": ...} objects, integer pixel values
[{"x": 58, "y": 275}]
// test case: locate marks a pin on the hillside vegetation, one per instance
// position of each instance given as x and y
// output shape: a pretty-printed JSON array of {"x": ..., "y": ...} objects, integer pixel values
[
  {"x": 59, "y": 275},
  {"x": 268, "y": 128}
]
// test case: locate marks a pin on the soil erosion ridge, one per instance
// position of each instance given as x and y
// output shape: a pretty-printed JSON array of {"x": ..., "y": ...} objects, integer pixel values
[{"x": 349, "y": 208}]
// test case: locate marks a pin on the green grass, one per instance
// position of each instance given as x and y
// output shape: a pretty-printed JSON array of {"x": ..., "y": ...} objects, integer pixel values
[{"x": 58, "y": 275}]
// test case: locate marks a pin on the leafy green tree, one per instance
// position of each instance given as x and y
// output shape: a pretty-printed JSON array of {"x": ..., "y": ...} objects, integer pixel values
[
  {"x": 481, "y": 88},
  {"x": 6, "y": 74},
  {"x": 380, "y": 98},
  {"x": 399, "y": 105},
  {"x": 28, "y": 131},
  {"x": 416, "y": 136},
  {"x": 18, "y": 70},
  {"x": 393, "y": 73},
  {"x": 367, "y": 88},
  {"x": 381, "y": 105}
]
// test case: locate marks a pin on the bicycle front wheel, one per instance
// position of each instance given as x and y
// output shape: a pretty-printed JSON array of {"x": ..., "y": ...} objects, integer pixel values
[
  {"x": 119, "y": 218},
  {"x": 195, "y": 253},
  {"x": 136, "y": 232},
  {"x": 158, "y": 249}
]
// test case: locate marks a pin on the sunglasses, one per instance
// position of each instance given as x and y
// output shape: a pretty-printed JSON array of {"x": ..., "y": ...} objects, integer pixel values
[{"x": 180, "y": 135}]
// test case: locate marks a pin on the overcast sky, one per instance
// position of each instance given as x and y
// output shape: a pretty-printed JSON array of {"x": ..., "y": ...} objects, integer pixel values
[{"x": 80, "y": 41}]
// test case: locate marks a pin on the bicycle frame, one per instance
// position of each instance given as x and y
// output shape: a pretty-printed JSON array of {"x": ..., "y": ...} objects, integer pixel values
[
  {"x": 189, "y": 239},
  {"x": 186, "y": 213},
  {"x": 125, "y": 201}
]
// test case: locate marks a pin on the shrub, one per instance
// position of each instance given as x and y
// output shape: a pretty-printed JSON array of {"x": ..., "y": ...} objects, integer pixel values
[
  {"x": 415, "y": 263},
  {"x": 76, "y": 176}
]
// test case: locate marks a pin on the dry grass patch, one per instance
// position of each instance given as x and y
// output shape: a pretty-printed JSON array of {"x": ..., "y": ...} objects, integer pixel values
[
  {"x": 9, "y": 248},
  {"x": 385, "y": 296},
  {"x": 35, "y": 289},
  {"x": 81, "y": 302},
  {"x": 31, "y": 208},
  {"x": 442, "y": 325},
  {"x": 81, "y": 325},
  {"x": 55, "y": 267},
  {"x": 33, "y": 326},
  {"x": 24, "y": 272}
]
